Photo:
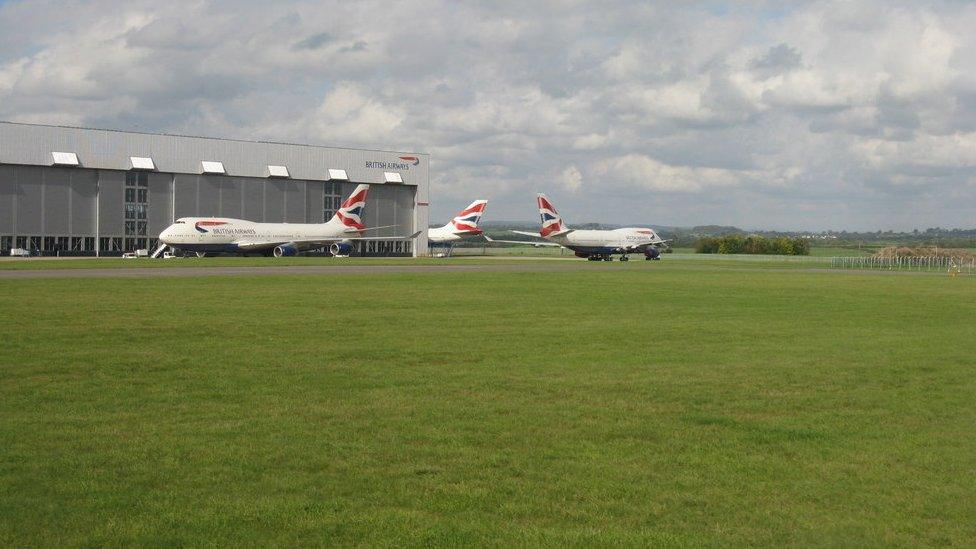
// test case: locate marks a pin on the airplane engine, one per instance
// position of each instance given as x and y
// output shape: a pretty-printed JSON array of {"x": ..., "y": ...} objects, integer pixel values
[
  {"x": 652, "y": 253},
  {"x": 285, "y": 250},
  {"x": 341, "y": 249}
]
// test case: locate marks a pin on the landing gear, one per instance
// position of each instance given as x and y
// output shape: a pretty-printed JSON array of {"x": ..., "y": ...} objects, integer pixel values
[
  {"x": 624, "y": 258},
  {"x": 608, "y": 258}
]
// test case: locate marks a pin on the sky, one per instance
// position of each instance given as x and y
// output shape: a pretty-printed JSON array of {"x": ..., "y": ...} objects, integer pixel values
[{"x": 855, "y": 115}]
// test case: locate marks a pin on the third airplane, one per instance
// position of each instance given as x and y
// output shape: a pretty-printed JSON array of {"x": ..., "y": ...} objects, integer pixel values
[{"x": 594, "y": 245}]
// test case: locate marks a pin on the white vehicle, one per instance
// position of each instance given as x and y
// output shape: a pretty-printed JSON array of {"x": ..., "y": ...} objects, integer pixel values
[
  {"x": 130, "y": 255},
  {"x": 19, "y": 252},
  {"x": 217, "y": 234},
  {"x": 594, "y": 245}
]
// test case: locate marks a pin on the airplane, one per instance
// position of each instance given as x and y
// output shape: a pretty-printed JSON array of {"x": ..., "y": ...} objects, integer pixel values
[
  {"x": 462, "y": 227},
  {"x": 205, "y": 235},
  {"x": 594, "y": 245}
]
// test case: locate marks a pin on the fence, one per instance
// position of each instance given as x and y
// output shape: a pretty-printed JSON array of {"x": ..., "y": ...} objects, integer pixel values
[
  {"x": 758, "y": 258},
  {"x": 945, "y": 264},
  {"x": 934, "y": 263}
]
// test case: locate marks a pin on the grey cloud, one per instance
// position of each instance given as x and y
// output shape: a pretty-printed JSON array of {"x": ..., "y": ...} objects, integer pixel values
[
  {"x": 358, "y": 46},
  {"x": 169, "y": 33},
  {"x": 814, "y": 115},
  {"x": 313, "y": 42},
  {"x": 778, "y": 59}
]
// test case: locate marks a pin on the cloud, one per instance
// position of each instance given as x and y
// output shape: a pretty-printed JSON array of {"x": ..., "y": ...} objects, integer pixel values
[
  {"x": 350, "y": 113},
  {"x": 313, "y": 42},
  {"x": 777, "y": 60},
  {"x": 647, "y": 173},
  {"x": 571, "y": 179},
  {"x": 673, "y": 113}
]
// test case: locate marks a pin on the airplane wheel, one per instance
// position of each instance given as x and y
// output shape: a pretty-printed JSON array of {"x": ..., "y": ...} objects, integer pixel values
[
  {"x": 624, "y": 258},
  {"x": 608, "y": 258}
]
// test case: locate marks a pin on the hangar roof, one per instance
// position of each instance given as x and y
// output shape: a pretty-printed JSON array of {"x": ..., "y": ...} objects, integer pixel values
[{"x": 35, "y": 144}]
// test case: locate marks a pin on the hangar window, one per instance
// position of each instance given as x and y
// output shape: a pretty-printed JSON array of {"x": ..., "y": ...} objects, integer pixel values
[
  {"x": 107, "y": 244},
  {"x": 338, "y": 175},
  {"x": 142, "y": 163},
  {"x": 332, "y": 199},
  {"x": 64, "y": 159},
  {"x": 212, "y": 167},
  {"x": 136, "y": 179},
  {"x": 136, "y": 210},
  {"x": 277, "y": 171}
]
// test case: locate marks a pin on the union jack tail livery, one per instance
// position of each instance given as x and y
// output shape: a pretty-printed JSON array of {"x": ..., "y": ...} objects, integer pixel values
[
  {"x": 592, "y": 244},
  {"x": 467, "y": 220},
  {"x": 552, "y": 223},
  {"x": 350, "y": 213}
]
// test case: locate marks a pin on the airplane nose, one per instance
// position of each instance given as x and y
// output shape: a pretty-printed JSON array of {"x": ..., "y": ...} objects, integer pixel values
[{"x": 164, "y": 236}]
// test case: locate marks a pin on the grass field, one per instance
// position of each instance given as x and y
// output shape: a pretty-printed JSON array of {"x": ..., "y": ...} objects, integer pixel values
[
  {"x": 224, "y": 261},
  {"x": 644, "y": 404}
]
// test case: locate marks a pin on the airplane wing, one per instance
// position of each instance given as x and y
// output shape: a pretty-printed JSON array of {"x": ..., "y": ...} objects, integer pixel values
[
  {"x": 642, "y": 247},
  {"x": 311, "y": 243},
  {"x": 525, "y": 242},
  {"x": 374, "y": 228},
  {"x": 537, "y": 235},
  {"x": 526, "y": 233},
  {"x": 409, "y": 237}
]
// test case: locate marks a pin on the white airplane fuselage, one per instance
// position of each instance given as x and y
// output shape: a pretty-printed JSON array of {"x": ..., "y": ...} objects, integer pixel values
[
  {"x": 443, "y": 235},
  {"x": 599, "y": 242},
  {"x": 223, "y": 234}
]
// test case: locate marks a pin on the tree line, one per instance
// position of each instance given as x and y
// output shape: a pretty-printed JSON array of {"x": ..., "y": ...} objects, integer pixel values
[{"x": 753, "y": 244}]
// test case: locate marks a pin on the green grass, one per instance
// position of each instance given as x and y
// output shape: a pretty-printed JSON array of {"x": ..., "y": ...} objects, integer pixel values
[
  {"x": 841, "y": 251},
  {"x": 228, "y": 261},
  {"x": 667, "y": 405}
]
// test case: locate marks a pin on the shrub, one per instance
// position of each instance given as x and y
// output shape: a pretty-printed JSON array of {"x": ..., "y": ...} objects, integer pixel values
[{"x": 736, "y": 244}]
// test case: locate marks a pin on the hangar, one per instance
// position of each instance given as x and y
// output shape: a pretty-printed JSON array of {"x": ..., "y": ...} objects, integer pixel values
[{"x": 81, "y": 191}]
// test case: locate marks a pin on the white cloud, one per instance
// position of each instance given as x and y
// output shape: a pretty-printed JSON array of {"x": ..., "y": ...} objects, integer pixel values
[
  {"x": 799, "y": 108},
  {"x": 351, "y": 113},
  {"x": 571, "y": 179},
  {"x": 647, "y": 173}
]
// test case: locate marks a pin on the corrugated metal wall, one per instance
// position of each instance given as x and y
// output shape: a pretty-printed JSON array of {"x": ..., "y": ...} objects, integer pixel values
[
  {"x": 160, "y": 202},
  {"x": 37, "y": 199},
  {"x": 111, "y": 203}
]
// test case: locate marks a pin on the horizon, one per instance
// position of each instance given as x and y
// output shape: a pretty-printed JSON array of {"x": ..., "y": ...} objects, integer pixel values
[{"x": 741, "y": 228}]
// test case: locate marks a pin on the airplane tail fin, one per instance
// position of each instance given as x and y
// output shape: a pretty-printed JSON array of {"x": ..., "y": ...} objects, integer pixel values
[
  {"x": 552, "y": 223},
  {"x": 467, "y": 219},
  {"x": 350, "y": 213}
]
